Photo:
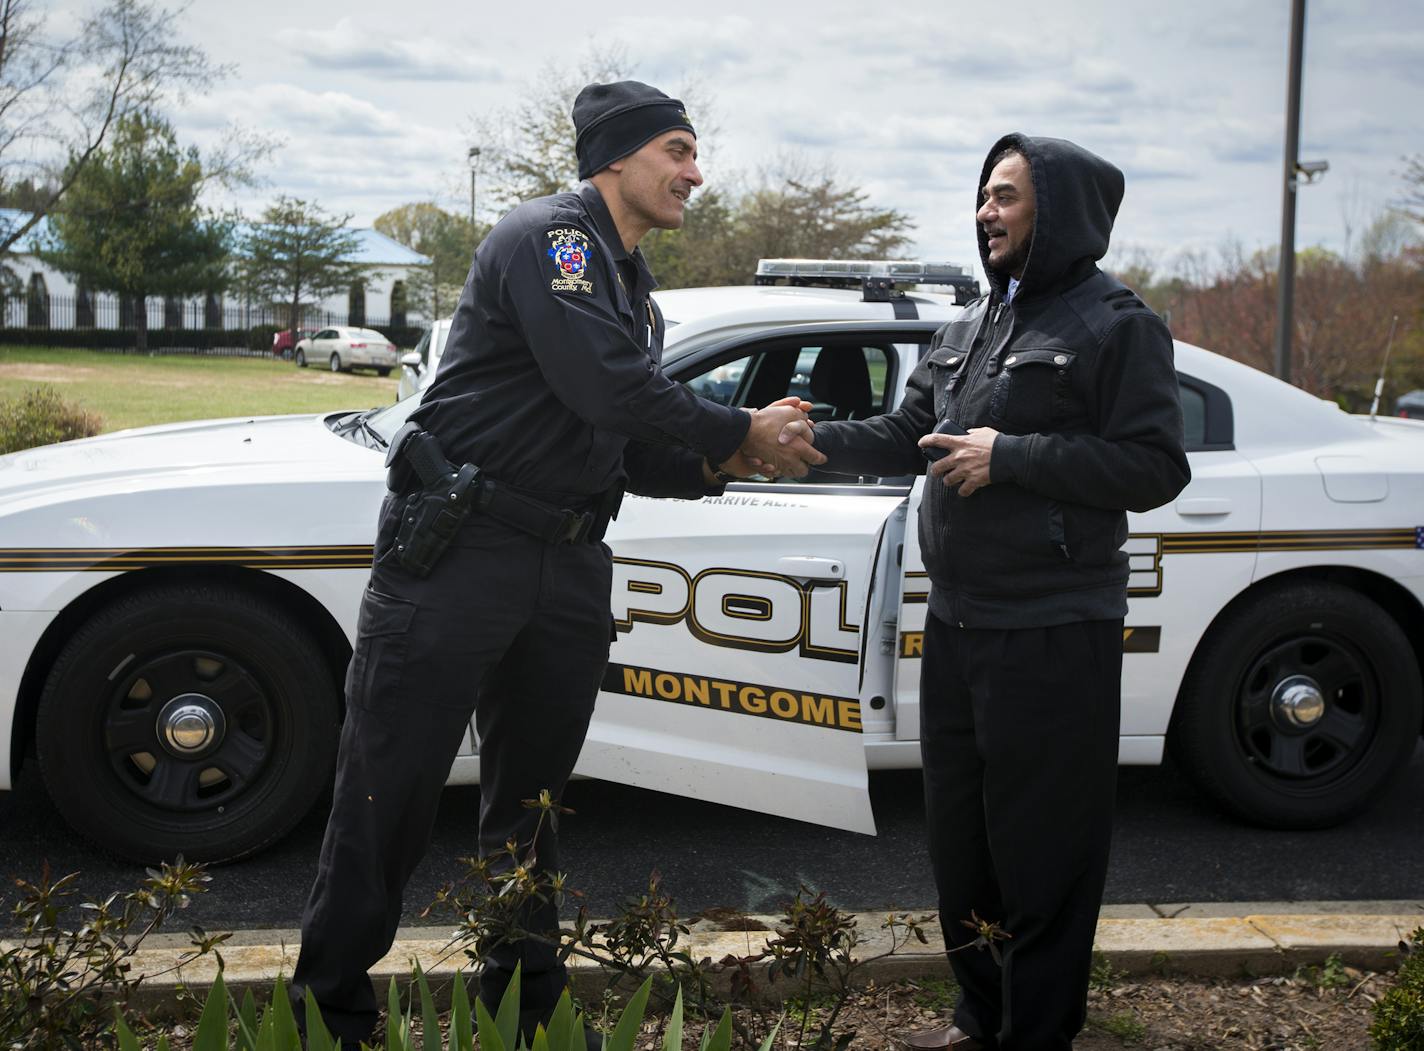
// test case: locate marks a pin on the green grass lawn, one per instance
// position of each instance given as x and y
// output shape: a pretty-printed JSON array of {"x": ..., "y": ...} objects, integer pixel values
[{"x": 131, "y": 390}]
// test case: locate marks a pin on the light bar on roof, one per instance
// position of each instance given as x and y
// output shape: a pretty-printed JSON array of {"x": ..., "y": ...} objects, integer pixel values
[
  {"x": 907, "y": 270},
  {"x": 868, "y": 273}
]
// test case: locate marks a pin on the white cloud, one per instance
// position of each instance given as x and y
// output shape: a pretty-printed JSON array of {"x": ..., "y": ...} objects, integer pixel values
[
  {"x": 356, "y": 44},
  {"x": 1188, "y": 99}
]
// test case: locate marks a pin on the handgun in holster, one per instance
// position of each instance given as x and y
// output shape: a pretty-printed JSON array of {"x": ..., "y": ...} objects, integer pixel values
[{"x": 431, "y": 515}]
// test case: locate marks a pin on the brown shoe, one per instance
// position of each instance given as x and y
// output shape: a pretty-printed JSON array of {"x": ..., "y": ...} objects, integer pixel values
[{"x": 945, "y": 1038}]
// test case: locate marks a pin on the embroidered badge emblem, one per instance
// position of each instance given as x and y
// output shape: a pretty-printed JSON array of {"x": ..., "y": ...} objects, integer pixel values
[{"x": 570, "y": 252}]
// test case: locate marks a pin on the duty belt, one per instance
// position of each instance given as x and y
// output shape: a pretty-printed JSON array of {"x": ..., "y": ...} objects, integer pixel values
[{"x": 448, "y": 493}]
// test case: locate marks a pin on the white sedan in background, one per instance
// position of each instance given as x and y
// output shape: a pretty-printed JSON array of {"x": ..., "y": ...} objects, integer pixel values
[
  {"x": 341, "y": 349},
  {"x": 177, "y": 603}
]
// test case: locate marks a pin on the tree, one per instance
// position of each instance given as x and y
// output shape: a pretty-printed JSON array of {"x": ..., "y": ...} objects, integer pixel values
[
  {"x": 132, "y": 221},
  {"x": 794, "y": 210},
  {"x": 529, "y": 151},
  {"x": 60, "y": 102},
  {"x": 299, "y": 252},
  {"x": 794, "y": 213},
  {"x": 1413, "y": 204},
  {"x": 448, "y": 239},
  {"x": 803, "y": 213}
]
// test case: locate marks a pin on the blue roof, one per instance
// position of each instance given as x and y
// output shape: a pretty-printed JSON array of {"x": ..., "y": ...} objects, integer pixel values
[
  {"x": 12, "y": 218},
  {"x": 373, "y": 248},
  {"x": 376, "y": 247}
]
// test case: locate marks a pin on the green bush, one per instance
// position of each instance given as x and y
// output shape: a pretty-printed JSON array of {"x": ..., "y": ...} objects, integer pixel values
[
  {"x": 61, "y": 972},
  {"x": 39, "y": 416},
  {"x": 260, "y": 336},
  {"x": 1398, "y": 1023}
]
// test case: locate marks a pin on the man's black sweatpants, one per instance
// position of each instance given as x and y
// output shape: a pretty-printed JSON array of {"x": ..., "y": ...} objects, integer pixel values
[
  {"x": 1019, "y": 734},
  {"x": 506, "y": 627}
]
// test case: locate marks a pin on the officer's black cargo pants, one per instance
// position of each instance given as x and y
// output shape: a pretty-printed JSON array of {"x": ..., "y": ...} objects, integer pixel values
[
  {"x": 1019, "y": 734},
  {"x": 506, "y": 627}
]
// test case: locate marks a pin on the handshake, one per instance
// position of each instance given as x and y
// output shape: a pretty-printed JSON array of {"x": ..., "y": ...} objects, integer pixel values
[{"x": 773, "y": 447}]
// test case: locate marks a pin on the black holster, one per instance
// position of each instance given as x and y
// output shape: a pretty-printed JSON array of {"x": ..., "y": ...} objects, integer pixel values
[{"x": 432, "y": 513}]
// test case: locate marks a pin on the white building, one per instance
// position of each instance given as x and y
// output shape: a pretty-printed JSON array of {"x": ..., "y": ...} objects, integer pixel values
[{"x": 40, "y": 296}]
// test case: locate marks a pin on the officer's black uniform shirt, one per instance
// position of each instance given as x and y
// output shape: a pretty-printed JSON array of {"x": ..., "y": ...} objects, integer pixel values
[{"x": 552, "y": 364}]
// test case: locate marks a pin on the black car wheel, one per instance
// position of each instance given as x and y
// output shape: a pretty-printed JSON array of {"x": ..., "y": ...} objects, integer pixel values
[
  {"x": 301, "y": 359},
  {"x": 1300, "y": 706},
  {"x": 187, "y": 719}
]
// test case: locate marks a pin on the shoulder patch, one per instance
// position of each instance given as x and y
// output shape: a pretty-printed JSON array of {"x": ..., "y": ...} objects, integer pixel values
[{"x": 570, "y": 253}]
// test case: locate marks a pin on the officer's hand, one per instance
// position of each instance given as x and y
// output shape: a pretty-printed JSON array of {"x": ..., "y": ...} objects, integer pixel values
[
  {"x": 738, "y": 466},
  {"x": 966, "y": 464},
  {"x": 793, "y": 458}
]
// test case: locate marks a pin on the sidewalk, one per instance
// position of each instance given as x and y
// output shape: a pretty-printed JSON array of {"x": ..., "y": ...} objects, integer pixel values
[{"x": 1181, "y": 939}]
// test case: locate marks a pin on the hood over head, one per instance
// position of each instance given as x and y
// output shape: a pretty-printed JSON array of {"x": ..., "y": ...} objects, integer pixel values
[{"x": 1076, "y": 193}]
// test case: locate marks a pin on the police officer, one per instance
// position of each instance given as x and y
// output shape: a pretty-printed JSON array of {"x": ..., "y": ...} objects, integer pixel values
[{"x": 548, "y": 401}]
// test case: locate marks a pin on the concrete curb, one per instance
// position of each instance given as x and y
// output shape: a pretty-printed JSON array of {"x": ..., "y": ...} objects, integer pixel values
[{"x": 1186, "y": 939}]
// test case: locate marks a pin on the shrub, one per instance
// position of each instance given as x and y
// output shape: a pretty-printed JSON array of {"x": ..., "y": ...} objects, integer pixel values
[
  {"x": 1398, "y": 1023},
  {"x": 260, "y": 336},
  {"x": 39, "y": 416},
  {"x": 58, "y": 978}
]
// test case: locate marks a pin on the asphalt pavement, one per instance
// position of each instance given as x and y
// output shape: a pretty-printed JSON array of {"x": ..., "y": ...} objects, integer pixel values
[{"x": 1171, "y": 847}]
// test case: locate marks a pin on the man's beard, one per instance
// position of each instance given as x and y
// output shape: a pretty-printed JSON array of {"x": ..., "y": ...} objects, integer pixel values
[{"x": 1016, "y": 260}]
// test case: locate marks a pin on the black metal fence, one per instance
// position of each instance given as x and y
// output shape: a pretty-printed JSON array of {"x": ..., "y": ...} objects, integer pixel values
[{"x": 212, "y": 325}]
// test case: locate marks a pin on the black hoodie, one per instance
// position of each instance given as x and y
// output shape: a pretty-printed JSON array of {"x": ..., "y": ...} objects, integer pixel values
[{"x": 1076, "y": 375}]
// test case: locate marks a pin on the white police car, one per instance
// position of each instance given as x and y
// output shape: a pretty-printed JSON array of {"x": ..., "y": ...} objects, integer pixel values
[{"x": 177, "y": 602}]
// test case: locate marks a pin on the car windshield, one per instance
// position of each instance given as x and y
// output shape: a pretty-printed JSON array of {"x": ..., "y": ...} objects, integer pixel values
[{"x": 386, "y": 421}]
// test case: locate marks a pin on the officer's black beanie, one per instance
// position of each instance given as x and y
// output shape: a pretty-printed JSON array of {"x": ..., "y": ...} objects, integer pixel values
[{"x": 614, "y": 120}]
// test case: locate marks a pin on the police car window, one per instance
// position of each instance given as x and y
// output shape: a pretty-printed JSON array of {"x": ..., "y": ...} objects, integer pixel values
[
  {"x": 841, "y": 380},
  {"x": 1193, "y": 416},
  {"x": 721, "y": 383},
  {"x": 423, "y": 347}
]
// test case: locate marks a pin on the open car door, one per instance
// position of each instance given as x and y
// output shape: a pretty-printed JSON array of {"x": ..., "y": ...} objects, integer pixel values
[{"x": 741, "y": 626}]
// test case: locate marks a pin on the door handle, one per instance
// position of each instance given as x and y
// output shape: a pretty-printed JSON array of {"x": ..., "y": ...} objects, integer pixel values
[
  {"x": 1204, "y": 505},
  {"x": 807, "y": 567}
]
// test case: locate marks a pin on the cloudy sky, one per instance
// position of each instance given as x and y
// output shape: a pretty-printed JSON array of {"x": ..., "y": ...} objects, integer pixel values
[{"x": 377, "y": 103}]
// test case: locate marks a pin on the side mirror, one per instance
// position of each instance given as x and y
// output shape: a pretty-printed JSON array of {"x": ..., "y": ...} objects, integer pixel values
[{"x": 411, "y": 360}]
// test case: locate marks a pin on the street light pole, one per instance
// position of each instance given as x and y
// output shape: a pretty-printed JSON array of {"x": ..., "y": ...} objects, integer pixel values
[
  {"x": 474, "y": 158},
  {"x": 1285, "y": 277}
]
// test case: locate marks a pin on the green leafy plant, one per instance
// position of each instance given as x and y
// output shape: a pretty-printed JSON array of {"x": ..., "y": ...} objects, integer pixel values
[
  {"x": 39, "y": 416},
  {"x": 227, "y": 1026},
  {"x": 1398, "y": 1023},
  {"x": 59, "y": 978},
  {"x": 1330, "y": 975},
  {"x": 1103, "y": 975},
  {"x": 1125, "y": 1026}
]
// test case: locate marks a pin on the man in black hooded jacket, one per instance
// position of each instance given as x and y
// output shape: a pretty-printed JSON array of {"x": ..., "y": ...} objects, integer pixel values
[{"x": 1064, "y": 383}]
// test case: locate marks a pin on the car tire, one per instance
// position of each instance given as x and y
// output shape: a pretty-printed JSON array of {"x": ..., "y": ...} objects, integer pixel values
[
  {"x": 383, "y": 372},
  {"x": 301, "y": 359},
  {"x": 335, "y": 362},
  {"x": 1300, "y": 706},
  {"x": 188, "y": 719}
]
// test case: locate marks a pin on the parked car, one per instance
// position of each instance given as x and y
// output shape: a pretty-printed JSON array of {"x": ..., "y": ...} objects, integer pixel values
[
  {"x": 418, "y": 365},
  {"x": 177, "y": 603},
  {"x": 285, "y": 340},
  {"x": 342, "y": 349},
  {"x": 1411, "y": 405}
]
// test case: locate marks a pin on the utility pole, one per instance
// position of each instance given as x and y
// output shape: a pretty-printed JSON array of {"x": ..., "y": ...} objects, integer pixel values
[{"x": 1285, "y": 297}]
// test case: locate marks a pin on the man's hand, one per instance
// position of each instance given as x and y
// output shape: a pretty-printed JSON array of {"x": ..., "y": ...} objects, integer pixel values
[
  {"x": 779, "y": 456},
  {"x": 966, "y": 463}
]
